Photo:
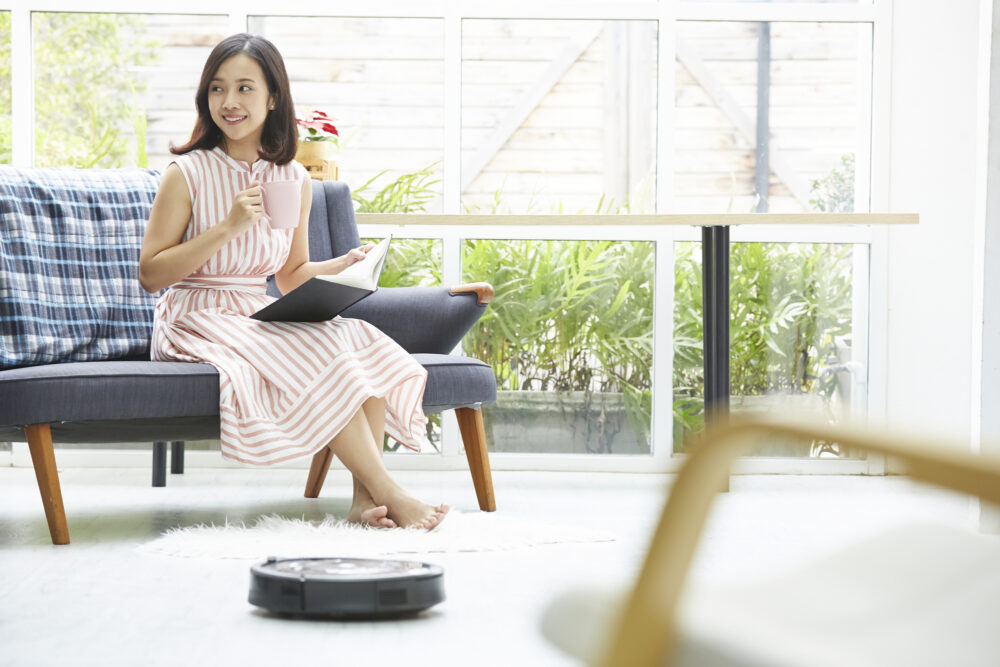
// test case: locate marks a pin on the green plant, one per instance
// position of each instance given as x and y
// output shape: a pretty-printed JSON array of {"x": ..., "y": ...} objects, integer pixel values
[
  {"x": 790, "y": 311},
  {"x": 568, "y": 316},
  {"x": 688, "y": 381},
  {"x": 408, "y": 193},
  {"x": 411, "y": 262},
  {"x": 86, "y": 78}
]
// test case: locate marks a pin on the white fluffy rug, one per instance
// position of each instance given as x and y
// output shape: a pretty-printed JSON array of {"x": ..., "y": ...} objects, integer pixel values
[{"x": 283, "y": 537}]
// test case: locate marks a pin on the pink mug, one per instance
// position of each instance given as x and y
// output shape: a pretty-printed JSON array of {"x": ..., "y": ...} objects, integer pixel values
[{"x": 281, "y": 203}]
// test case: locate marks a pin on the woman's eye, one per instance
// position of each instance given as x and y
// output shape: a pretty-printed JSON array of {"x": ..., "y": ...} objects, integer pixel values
[{"x": 245, "y": 88}]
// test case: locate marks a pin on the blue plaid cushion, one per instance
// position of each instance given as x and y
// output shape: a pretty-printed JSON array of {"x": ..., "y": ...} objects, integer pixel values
[{"x": 69, "y": 254}]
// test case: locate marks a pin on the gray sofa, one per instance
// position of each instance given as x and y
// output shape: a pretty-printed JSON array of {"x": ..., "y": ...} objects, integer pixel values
[{"x": 66, "y": 376}]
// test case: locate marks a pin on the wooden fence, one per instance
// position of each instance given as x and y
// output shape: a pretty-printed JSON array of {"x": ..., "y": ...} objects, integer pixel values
[{"x": 553, "y": 113}]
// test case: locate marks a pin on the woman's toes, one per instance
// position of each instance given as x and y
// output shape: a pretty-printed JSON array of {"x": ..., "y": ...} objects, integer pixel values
[
  {"x": 377, "y": 517},
  {"x": 435, "y": 519}
]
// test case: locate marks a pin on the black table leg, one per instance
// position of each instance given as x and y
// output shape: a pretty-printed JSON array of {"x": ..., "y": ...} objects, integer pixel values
[
  {"x": 715, "y": 324},
  {"x": 715, "y": 311}
]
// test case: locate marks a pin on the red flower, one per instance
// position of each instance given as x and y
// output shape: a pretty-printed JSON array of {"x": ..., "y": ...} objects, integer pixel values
[{"x": 318, "y": 127}]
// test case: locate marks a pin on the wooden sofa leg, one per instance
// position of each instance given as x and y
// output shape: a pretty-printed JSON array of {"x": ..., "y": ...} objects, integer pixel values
[
  {"x": 317, "y": 472},
  {"x": 470, "y": 423},
  {"x": 43, "y": 457}
]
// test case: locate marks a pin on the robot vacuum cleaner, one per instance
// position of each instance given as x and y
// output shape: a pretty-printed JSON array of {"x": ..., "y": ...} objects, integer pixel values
[{"x": 345, "y": 587}]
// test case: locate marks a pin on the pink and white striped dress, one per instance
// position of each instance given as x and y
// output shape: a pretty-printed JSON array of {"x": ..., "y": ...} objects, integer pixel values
[{"x": 285, "y": 388}]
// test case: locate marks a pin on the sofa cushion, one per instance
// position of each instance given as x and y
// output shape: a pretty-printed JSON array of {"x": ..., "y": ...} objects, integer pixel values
[
  {"x": 98, "y": 391},
  {"x": 69, "y": 249},
  {"x": 101, "y": 390},
  {"x": 454, "y": 382}
]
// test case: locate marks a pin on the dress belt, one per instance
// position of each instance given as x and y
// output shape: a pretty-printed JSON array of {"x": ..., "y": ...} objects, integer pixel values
[{"x": 236, "y": 283}]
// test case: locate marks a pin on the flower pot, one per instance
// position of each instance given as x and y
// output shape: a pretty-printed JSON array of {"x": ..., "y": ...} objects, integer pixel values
[{"x": 317, "y": 158}]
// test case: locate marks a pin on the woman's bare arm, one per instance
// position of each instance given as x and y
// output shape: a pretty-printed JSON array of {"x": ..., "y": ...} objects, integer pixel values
[
  {"x": 164, "y": 259},
  {"x": 298, "y": 268}
]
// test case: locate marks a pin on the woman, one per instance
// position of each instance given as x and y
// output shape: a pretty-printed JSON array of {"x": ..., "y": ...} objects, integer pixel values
[{"x": 287, "y": 389}]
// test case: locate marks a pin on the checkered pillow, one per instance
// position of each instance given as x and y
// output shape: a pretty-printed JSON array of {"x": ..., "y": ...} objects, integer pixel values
[{"x": 69, "y": 255}]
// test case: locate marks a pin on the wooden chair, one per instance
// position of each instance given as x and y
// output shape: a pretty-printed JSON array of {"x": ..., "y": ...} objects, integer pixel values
[{"x": 921, "y": 595}]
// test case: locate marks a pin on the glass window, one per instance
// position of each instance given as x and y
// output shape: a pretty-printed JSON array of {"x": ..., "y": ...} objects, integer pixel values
[
  {"x": 558, "y": 116},
  {"x": 115, "y": 90},
  {"x": 797, "y": 337},
  {"x": 382, "y": 79},
  {"x": 569, "y": 337},
  {"x": 5, "y": 99},
  {"x": 771, "y": 116}
]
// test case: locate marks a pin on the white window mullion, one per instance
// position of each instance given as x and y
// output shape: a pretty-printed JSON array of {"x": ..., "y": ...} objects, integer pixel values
[
  {"x": 863, "y": 138},
  {"x": 22, "y": 89},
  {"x": 661, "y": 427},
  {"x": 666, "y": 83},
  {"x": 661, "y": 380},
  {"x": 452, "y": 109},
  {"x": 879, "y": 260},
  {"x": 881, "y": 106}
]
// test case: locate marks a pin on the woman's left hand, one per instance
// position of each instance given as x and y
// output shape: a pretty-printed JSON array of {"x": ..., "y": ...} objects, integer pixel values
[{"x": 357, "y": 254}]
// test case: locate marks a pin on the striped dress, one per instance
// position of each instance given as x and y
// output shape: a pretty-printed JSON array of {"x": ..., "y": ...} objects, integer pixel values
[{"x": 286, "y": 388}]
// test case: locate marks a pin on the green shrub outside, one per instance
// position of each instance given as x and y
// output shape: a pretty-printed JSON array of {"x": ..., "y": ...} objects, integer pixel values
[{"x": 87, "y": 78}]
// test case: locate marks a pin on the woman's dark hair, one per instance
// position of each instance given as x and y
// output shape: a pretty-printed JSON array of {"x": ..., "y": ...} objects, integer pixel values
[{"x": 279, "y": 137}]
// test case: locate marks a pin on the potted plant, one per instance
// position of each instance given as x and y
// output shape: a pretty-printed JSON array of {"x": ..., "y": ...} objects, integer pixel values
[{"x": 318, "y": 143}]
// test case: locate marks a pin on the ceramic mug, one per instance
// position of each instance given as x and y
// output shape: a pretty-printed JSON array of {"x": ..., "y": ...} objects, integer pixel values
[{"x": 281, "y": 203}]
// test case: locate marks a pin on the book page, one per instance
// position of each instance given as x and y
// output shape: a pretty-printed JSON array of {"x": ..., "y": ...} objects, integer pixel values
[{"x": 364, "y": 274}]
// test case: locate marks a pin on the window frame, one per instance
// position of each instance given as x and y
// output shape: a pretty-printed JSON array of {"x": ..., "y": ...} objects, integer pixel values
[{"x": 666, "y": 13}]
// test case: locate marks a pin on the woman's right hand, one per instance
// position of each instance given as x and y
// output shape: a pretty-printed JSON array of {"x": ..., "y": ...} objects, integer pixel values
[{"x": 248, "y": 208}]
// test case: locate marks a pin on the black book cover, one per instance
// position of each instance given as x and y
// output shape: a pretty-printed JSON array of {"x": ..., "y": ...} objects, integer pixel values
[
  {"x": 324, "y": 297},
  {"x": 315, "y": 300}
]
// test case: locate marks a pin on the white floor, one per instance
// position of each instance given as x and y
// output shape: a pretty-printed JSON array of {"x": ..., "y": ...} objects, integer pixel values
[{"x": 99, "y": 602}]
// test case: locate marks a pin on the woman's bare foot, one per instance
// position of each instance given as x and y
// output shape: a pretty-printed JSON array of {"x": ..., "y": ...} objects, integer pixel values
[
  {"x": 375, "y": 516},
  {"x": 408, "y": 512}
]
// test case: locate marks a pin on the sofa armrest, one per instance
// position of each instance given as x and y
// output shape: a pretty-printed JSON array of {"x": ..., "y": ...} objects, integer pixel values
[{"x": 422, "y": 319}]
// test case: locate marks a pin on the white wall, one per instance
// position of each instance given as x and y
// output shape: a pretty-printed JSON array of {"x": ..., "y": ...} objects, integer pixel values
[
  {"x": 933, "y": 173},
  {"x": 986, "y": 308}
]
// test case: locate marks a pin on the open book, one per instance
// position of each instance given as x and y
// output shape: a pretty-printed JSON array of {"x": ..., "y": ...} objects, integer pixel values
[{"x": 324, "y": 297}]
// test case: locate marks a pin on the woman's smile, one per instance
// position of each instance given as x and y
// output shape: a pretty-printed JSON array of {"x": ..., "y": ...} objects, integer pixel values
[{"x": 239, "y": 102}]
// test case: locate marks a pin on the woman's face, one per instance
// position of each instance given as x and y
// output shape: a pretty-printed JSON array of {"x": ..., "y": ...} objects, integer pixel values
[{"x": 238, "y": 100}]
